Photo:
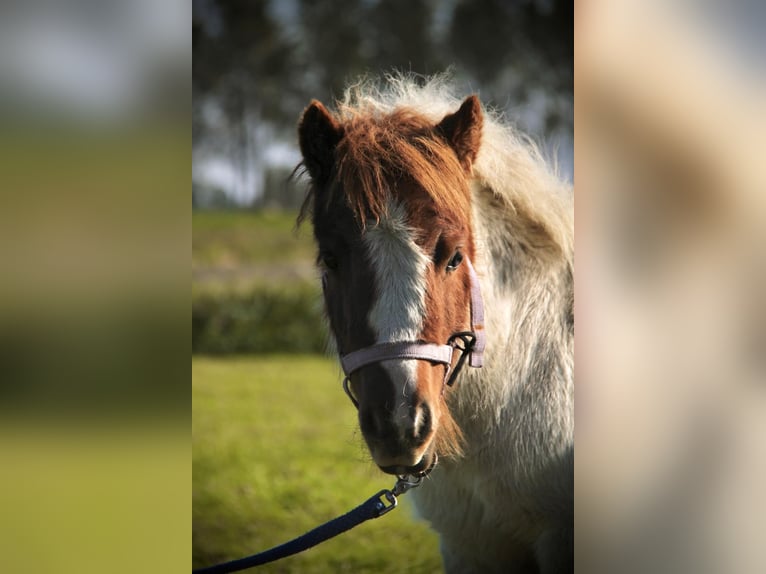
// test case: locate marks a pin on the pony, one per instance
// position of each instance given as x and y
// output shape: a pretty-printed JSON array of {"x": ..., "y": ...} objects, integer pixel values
[{"x": 426, "y": 208}]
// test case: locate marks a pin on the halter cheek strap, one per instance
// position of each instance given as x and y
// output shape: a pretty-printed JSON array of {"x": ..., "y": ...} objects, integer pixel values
[
  {"x": 473, "y": 344},
  {"x": 477, "y": 319}
]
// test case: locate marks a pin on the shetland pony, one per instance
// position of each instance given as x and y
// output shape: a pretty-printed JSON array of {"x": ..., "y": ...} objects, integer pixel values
[{"x": 418, "y": 201}]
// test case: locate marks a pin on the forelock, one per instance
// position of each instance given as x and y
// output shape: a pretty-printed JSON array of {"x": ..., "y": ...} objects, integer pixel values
[{"x": 385, "y": 157}]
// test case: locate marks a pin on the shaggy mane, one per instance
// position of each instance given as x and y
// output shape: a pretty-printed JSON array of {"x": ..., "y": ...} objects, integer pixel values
[
  {"x": 389, "y": 136},
  {"x": 379, "y": 153},
  {"x": 508, "y": 427}
]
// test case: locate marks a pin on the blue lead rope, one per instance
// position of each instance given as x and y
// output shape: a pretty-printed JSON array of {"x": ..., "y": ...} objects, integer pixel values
[{"x": 372, "y": 508}]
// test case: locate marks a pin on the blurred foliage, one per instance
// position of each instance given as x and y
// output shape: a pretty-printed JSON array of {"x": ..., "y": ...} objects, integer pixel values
[
  {"x": 106, "y": 361},
  {"x": 271, "y": 438},
  {"x": 254, "y": 284},
  {"x": 257, "y": 63},
  {"x": 94, "y": 242},
  {"x": 257, "y": 53},
  {"x": 240, "y": 238},
  {"x": 94, "y": 297},
  {"x": 263, "y": 320}
]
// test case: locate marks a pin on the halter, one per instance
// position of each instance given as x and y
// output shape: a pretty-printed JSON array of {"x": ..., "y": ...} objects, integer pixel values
[{"x": 470, "y": 344}]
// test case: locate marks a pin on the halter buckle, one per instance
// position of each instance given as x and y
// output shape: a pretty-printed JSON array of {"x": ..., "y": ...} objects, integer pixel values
[
  {"x": 388, "y": 499},
  {"x": 468, "y": 340},
  {"x": 405, "y": 483},
  {"x": 390, "y": 502}
]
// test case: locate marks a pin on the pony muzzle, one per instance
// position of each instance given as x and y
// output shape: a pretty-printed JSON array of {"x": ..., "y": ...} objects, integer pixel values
[
  {"x": 398, "y": 423},
  {"x": 399, "y": 426},
  {"x": 424, "y": 467}
]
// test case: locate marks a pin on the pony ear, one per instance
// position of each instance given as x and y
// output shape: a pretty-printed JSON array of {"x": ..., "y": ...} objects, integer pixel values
[
  {"x": 318, "y": 134},
  {"x": 462, "y": 130}
]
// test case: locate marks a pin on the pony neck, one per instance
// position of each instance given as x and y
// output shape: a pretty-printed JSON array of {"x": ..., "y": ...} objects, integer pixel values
[{"x": 528, "y": 300}]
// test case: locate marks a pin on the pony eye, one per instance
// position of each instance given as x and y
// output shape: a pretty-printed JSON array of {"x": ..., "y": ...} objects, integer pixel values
[
  {"x": 457, "y": 258},
  {"x": 329, "y": 260}
]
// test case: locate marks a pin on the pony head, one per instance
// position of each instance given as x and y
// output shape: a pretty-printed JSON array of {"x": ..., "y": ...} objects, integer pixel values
[{"x": 390, "y": 204}]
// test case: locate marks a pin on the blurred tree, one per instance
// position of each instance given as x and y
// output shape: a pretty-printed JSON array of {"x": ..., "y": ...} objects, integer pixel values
[
  {"x": 240, "y": 55},
  {"x": 401, "y": 37},
  {"x": 480, "y": 37},
  {"x": 241, "y": 64},
  {"x": 514, "y": 48},
  {"x": 334, "y": 45},
  {"x": 258, "y": 62}
]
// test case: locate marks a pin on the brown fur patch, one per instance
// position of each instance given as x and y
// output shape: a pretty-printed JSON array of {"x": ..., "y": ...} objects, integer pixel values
[
  {"x": 406, "y": 157},
  {"x": 448, "y": 306},
  {"x": 463, "y": 131},
  {"x": 318, "y": 134},
  {"x": 449, "y": 440},
  {"x": 378, "y": 157}
]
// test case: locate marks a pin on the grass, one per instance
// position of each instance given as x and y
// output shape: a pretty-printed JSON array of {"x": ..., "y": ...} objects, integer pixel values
[
  {"x": 241, "y": 238},
  {"x": 86, "y": 496},
  {"x": 237, "y": 251},
  {"x": 276, "y": 452}
]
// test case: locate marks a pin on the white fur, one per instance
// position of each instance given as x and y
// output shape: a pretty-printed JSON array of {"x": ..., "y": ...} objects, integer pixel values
[
  {"x": 512, "y": 492},
  {"x": 400, "y": 267},
  {"x": 397, "y": 315}
]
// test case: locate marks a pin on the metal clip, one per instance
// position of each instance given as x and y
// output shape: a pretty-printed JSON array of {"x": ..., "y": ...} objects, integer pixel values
[
  {"x": 406, "y": 482},
  {"x": 468, "y": 338},
  {"x": 390, "y": 498}
]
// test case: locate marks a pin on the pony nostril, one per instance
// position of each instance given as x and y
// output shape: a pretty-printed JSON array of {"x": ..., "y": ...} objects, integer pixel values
[
  {"x": 368, "y": 422},
  {"x": 422, "y": 425}
]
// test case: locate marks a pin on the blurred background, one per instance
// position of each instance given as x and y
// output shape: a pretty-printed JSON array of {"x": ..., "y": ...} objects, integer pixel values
[
  {"x": 95, "y": 115},
  {"x": 670, "y": 204},
  {"x": 258, "y": 63},
  {"x": 96, "y": 126},
  {"x": 275, "y": 444}
]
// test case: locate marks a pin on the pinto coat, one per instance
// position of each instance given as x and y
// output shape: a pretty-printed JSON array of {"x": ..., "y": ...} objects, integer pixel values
[{"x": 501, "y": 497}]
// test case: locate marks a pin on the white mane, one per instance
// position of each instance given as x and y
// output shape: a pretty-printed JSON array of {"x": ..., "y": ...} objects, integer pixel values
[{"x": 509, "y": 163}]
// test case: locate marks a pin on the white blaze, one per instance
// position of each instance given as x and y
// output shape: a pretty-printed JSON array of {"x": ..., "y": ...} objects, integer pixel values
[
  {"x": 400, "y": 278},
  {"x": 400, "y": 268}
]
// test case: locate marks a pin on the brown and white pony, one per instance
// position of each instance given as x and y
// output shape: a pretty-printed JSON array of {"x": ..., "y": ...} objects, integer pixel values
[{"x": 410, "y": 191}]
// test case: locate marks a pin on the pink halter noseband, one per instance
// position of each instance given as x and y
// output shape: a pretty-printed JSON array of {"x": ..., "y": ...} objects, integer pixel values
[{"x": 473, "y": 343}]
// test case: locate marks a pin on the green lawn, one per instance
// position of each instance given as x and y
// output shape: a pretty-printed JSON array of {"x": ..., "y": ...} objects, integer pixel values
[
  {"x": 236, "y": 251},
  {"x": 239, "y": 238},
  {"x": 276, "y": 452}
]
